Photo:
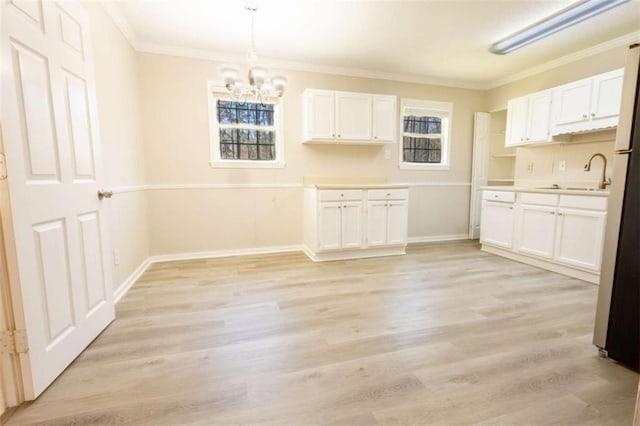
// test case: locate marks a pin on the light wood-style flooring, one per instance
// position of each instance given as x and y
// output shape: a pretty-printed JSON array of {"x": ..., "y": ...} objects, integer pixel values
[{"x": 444, "y": 335}]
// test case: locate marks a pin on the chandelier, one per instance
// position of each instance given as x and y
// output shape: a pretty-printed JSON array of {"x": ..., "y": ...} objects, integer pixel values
[{"x": 258, "y": 88}]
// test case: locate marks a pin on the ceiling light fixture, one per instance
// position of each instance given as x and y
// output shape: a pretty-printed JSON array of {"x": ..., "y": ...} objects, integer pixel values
[
  {"x": 258, "y": 87},
  {"x": 571, "y": 15}
]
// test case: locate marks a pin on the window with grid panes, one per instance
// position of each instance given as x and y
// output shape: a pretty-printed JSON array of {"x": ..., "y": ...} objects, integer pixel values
[
  {"x": 425, "y": 134},
  {"x": 245, "y": 133}
]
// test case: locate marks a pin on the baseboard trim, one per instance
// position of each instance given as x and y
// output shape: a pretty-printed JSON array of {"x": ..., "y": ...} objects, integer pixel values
[
  {"x": 225, "y": 253},
  {"x": 437, "y": 238},
  {"x": 351, "y": 254},
  {"x": 135, "y": 275},
  {"x": 131, "y": 279}
]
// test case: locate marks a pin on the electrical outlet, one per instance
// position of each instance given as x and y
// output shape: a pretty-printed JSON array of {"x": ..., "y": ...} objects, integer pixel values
[
  {"x": 530, "y": 166},
  {"x": 562, "y": 165},
  {"x": 116, "y": 257},
  {"x": 387, "y": 154}
]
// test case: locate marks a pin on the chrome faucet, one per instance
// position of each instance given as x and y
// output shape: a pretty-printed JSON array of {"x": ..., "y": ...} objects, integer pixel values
[{"x": 604, "y": 181}]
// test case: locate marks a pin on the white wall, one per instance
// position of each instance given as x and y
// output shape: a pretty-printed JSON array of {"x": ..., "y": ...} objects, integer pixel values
[
  {"x": 176, "y": 134},
  {"x": 121, "y": 135}
]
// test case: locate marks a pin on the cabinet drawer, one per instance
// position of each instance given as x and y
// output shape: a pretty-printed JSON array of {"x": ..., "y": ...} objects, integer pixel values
[
  {"x": 539, "y": 199},
  {"x": 584, "y": 202},
  {"x": 504, "y": 196},
  {"x": 340, "y": 195},
  {"x": 388, "y": 194}
]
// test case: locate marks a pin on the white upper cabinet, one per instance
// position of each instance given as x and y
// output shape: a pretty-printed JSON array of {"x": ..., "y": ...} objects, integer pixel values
[
  {"x": 589, "y": 104},
  {"x": 319, "y": 115},
  {"x": 528, "y": 119},
  {"x": 384, "y": 118},
  {"x": 353, "y": 116},
  {"x": 349, "y": 118},
  {"x": 606, "y": 95}
]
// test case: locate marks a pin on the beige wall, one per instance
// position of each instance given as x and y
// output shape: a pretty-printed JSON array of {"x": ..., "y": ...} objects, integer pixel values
[
  {"x": 176, "y": 134},
  {"x": 118, "y": 97}
]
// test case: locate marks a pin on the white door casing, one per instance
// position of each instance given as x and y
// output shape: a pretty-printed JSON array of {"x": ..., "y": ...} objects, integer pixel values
[
  {"x": 479, "y": 178},
  {"x": 52, "y": 144}
]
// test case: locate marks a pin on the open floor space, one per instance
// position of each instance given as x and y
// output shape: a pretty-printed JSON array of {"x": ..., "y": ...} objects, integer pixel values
[{"x": 446, "y": 334}]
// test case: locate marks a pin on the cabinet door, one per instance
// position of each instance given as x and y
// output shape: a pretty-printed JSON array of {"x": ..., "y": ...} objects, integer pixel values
[
  {"x": 606, "y": 95},
  {"x": 376, "y": 223},
  {"x": 536, "y": 230},
  {"x": 384, "y": 118},
  {"x": 329, "y": 224},
  {"x": 320, "y": 115},
  {"x": 517, "y": 116},
  {"x": 539, "y": 117},
  {"x": 497, "y": 224},
  {"x": 580, "y": 238},
  {"x": 397, "y": 222},
  {"x": 351, "y": 224},
  {"x": 353, "y": 116},
  {"x": 572, "y": 102}
]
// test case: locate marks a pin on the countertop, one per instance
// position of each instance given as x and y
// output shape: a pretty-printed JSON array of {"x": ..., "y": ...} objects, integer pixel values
[
  {"x": 593, "y": 193},
  {"x": 357, "y": 186}
]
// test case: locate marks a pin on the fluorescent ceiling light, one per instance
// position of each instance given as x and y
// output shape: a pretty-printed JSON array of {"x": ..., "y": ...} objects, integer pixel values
[{"x": 573, "y": 14}]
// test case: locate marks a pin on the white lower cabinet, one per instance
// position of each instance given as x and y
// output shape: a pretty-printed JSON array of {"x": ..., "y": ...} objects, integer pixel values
[
  {"x": 580, "y": 238},
  {"x": 562, "y": 233},
  {"x": 350, "y": 223},
  {"x": 536, "y": 230},
  {"x": 497, "y": 224}
]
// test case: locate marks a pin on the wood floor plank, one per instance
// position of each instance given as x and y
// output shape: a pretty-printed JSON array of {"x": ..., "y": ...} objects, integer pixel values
[{"x": 444, "y": 335}]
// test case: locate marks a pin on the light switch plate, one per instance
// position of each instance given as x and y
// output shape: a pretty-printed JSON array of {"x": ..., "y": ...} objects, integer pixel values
[
  {"x": 562, "y": 165},
  {"x": 387, "y": 154},
  {"x": 116, "y": 257}
]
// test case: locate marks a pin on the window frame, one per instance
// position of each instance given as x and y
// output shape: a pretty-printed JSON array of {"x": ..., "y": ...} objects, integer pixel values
[
  {"x": 216, "y": 92},
  {"x": 445, "y": 140}
]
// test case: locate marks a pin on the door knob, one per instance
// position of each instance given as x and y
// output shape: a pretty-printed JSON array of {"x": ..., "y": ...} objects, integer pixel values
[{"x": 103, "y": 193}]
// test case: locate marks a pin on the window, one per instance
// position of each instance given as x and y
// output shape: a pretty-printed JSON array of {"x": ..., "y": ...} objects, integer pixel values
[
  {"x": 244, "y": 133},
  {"x": 425, "y": 134}
]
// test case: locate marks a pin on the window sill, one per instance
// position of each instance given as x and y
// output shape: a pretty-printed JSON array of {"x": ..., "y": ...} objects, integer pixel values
[
  {"x": 418, "y": 166},
  {"x": 240, "y": 164}
]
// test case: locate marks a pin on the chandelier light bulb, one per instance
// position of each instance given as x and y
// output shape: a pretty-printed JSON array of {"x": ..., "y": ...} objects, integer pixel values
[{"x": 230, "y": 76}]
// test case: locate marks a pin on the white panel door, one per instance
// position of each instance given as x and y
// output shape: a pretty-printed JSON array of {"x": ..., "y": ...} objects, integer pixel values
[
  {"x": 539, "y": 121},
  {"x": 536, "y": 230},
  {"x": 497, "y": 224},
  {"x": 376, "y": 223},
  {"x": 397, "y": 222},
  {"x": 321, "y": 116},
  {"x": 384, "y": 118},
  {"x": 517, "y": 116},
  {"x": 481, "y": 142},
  {"x": 51, "y": 139},
  {"x": 353, "y": 116},
  {"x": 329, "y": 224},
  {"x": 572, "y": 102},
  {"x": 351, "y": 224},
  {"x": 606, "y": 95},
  {"x": 580, "y": 236}
]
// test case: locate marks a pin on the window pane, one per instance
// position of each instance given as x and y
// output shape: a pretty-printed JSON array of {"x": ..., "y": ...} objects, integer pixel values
[
  {"x": 434, "y": 156},
  {"x": 226, "y": 112},
  {"x": 422, "y": 125},
  {"x": 434, "y": 143},
  {"x": 242, "y": 144}
]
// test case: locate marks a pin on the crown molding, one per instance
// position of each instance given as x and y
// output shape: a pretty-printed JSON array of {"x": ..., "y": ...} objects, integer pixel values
[
  {"x": 225, "y": 57},
  {"x": 113, "y": 10},
  {"x": 626, "y": 39}
]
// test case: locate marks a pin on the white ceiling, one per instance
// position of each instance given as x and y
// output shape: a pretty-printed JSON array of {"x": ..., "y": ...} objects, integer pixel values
[{"x": 431, "y": 41}]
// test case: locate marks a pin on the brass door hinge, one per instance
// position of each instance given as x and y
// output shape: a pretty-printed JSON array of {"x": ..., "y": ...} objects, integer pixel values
[{"x": 14, "y": 342}]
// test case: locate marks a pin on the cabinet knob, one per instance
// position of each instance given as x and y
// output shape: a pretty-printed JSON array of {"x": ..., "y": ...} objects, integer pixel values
[
  {"x": 342, "y": 195},
  {"x": 375, "y": 137},
  {"x": 584, "y": 115},
  {"x": 333, "y": 135},
  {"x": 593, "y": 114},
  {"x": 339, "y": 136}
]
